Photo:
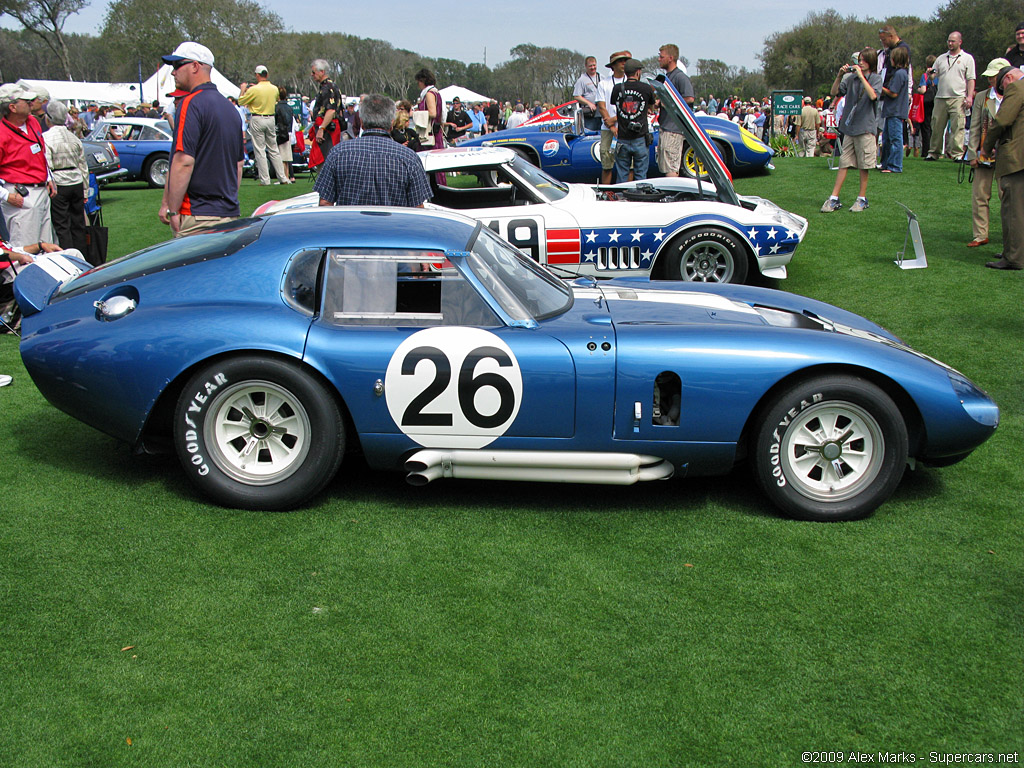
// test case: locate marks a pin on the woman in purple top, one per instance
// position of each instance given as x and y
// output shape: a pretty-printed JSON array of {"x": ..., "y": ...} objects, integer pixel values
[{"x": 430, "y": 100}]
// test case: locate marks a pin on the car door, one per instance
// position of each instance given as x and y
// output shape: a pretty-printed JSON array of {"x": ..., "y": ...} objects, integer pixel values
[
  {"x": 420, "y": 357},
  {"x": 127, "y": 145}
]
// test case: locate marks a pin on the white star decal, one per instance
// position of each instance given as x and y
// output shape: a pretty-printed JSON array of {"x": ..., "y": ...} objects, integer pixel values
[
  {"x": 589, "y": 256},
  {"x": 591, "y": 236},
  {"x": 646, "y": 255},
  {"x": 752, "y": 234},
  {"x": 771, "y": 233},
  {"x": 614, "y": 236},
  {"x": 792, "y": 234},
  {"x": 775, "y": 248},
  {"x": 757, "y": 250},
  {"x": 637, "y": 235},
  {"x": 659, "y": 236}
]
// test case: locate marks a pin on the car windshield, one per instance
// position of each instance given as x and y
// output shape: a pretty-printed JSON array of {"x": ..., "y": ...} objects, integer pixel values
[
  {"x": 523, "y": 288},
  {"x": 212, "y": 243},
  {"x": 550, "y": 189}
]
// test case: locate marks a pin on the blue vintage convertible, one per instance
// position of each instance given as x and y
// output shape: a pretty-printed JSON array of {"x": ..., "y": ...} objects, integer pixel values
[
  {"x": 562, "y": 148},
  {"x": 266, "y": 350}
]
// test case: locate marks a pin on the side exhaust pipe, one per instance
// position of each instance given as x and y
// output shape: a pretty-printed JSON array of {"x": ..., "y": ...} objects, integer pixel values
[{"x": 536, "y": 466}]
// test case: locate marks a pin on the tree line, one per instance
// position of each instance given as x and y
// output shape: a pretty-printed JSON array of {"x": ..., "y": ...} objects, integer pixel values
[
  {"x": 242, "y": 33},
  {"x": 808, "y": 56}
]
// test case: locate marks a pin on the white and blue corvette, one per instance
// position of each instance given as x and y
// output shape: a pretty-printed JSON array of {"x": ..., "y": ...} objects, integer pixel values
[{"x": 668, "y": 229}]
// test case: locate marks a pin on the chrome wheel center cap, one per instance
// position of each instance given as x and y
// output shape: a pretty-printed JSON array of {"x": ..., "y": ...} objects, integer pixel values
[{"x": 831, "y": 451}]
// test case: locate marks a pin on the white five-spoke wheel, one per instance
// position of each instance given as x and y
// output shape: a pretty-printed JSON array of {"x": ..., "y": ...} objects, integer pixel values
[
  {"x": 832, "y": 451},
  {"x": 258, "y": 433},
  {"x": 831, "y": 448}
]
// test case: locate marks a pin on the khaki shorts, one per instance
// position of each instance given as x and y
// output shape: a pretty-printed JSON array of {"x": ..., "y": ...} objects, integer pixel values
[
  {"x": 607, "y": 156},
  {"x": 670, "y": 151},
  {"x": 191, "y": 224},
  {"x": 859, "y": 152}
]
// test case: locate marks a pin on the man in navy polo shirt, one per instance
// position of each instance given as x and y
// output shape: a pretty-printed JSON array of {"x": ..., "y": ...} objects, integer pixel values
[{"x": 207, "y": 153}]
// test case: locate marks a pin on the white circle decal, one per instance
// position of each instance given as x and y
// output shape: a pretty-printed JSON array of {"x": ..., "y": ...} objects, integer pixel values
[{"x": 453, "y": 387}]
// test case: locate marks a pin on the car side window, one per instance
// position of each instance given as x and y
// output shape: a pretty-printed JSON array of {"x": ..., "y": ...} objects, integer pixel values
[
  {"x": 399, "y": 288},
  {"x": 149, "y": 133}
]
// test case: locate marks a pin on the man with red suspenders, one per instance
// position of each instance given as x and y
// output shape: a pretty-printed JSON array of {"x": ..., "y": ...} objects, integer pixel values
[{"x": 207, "y": 151}]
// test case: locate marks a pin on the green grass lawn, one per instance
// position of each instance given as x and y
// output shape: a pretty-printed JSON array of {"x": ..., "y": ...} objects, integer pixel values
[{"x": 486, "y": 624}]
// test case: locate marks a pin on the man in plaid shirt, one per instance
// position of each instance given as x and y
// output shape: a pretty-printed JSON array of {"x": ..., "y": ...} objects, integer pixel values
[{"x": 373, "y": 169}]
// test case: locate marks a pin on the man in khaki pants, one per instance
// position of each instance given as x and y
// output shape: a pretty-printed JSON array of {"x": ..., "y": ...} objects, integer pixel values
[
  {"x": 809, "y": 123},
  {"x": 261, "y": 99},
  {"x": 954, "y": 98},
  {"x": 1008, "y": 132},
  {"x": 986, "y": 104}
]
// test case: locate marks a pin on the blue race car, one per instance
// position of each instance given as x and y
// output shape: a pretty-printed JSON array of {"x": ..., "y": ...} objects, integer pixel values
[
  {"x": 266, "y": 349},
  {"x": 568, "y": 153},
  {"x": 143, "y": 145}
]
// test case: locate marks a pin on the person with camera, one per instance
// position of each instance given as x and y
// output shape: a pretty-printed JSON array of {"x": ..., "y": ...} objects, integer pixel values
[
  {"x": 28, "y": 184},
  {"x": 954, "y": 98},
  {"x": 861, "y": 84},
  {"x": 633, "y": 100},
  {"x": 585, "y": 93}
]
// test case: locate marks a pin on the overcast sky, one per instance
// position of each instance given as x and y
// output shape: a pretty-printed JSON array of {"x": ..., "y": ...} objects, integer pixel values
[{"x": 732, "y": 31}]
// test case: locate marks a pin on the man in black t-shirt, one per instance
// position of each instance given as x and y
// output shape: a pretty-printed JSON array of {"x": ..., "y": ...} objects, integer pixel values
[
  {"x": 457, "y": 123},
  {"x": 633, "y": 100}
]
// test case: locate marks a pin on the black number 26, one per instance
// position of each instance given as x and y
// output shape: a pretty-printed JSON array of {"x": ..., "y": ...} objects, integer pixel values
[{"x": 468, "y": 385}]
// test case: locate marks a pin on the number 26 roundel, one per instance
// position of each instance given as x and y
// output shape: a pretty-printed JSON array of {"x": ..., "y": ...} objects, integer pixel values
[{"x": 453, "y": 387}]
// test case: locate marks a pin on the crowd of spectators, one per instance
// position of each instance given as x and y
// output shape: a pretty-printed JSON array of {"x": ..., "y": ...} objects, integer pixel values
[{"x": 878, "y": 112}]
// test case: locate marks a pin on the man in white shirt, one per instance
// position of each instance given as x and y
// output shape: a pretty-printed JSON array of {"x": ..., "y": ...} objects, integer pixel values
[
  {"x": 954, "y": 98},
  {"x": 617, "y": 64}
]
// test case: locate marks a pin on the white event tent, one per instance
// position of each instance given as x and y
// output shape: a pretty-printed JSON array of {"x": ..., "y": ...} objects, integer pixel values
[
  {"x": 465, "y": 95},
  {"x": 162, "y": 83},
  {"x": 155, "y": 88},
  {"x": 84, "y": 93}
]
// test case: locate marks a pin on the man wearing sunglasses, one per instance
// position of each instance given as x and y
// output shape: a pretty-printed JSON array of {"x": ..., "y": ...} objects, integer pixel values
[{"x": 207, "y": 151}]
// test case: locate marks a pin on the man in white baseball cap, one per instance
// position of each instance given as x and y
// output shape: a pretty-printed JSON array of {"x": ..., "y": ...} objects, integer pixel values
[
  {"x": 189, "y": 51},
  {"x": 206, "y": 137}
]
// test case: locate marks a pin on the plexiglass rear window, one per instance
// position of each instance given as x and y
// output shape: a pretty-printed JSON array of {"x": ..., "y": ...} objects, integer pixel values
[{"x": 222, "y": 240}]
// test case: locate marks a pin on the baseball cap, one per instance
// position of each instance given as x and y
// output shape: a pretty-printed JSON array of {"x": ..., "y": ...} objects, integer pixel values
[
  {"x": 177, "y": 93},
  {"x": 189, "y": 51},
  {"x": 633, "y": 66},
  {"x": 37, "y": 91},
  {"x": 20, "y": 91},
  {"x": 994, "y": 66},
  {"x": 261, "y": 70}
]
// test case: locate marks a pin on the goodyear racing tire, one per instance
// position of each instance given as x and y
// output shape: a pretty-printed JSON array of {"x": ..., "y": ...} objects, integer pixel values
[
  {"x": 258, "y": 433},
  {"x": 156, "y": 169},
  {"x": 831, "y": 448},
  {"x": 707, "y": 255}
]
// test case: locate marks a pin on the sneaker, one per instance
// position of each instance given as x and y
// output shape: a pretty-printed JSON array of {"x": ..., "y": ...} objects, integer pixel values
[
  {"x": 831, "y": 205},
  {"x": 858, "y": 206},
  {"x": 5, "y": 380}
]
